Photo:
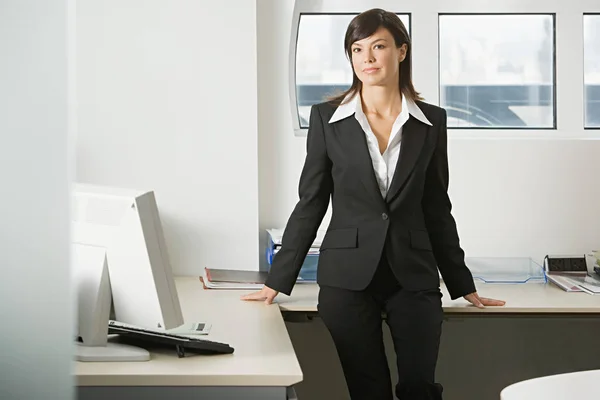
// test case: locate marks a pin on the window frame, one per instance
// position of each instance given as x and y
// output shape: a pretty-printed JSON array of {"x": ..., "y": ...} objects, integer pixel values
[
  {"x": 585, "y": 126},
  {"x": 553, "y": 91},
  {"x": 424, "y": 16},
  {"x": 294, "y": 98}
]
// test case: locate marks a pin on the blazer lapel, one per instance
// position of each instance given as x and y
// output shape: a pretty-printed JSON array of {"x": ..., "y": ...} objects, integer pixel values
[
  {"x": 353, "y": 138},
  {"x": 414, "y": 133}
]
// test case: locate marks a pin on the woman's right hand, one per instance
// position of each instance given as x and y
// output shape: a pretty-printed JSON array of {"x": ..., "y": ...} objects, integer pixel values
[{"x": 266, "y": 294}]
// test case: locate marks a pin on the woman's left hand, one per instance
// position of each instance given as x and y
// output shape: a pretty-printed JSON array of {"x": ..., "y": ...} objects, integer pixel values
[{"x": 482, "y": 302}]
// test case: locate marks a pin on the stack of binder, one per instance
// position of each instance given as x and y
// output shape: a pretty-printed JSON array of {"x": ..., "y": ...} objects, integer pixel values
[
  {"x": 214, "y": 278},
  {"x": 308, "y": 272},
  {"x": 576, "y": 283}
]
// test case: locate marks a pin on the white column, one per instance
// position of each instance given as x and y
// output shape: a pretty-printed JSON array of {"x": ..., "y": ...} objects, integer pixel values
[{"x": 36, "y": 309}]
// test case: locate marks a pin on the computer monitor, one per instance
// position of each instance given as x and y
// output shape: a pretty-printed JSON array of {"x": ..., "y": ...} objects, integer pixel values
[{"x": 119, "y": 254}]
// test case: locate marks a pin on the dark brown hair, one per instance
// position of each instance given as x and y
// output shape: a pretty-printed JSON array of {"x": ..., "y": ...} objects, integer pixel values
[{"x": 366, "y": 24}]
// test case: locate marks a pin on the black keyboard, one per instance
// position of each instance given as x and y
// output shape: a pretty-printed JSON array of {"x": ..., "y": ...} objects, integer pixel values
[{"x": 138, "y": 336}]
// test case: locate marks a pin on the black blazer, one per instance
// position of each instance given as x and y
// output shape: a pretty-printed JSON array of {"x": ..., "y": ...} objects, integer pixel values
[{"x": 413, "y": 224}]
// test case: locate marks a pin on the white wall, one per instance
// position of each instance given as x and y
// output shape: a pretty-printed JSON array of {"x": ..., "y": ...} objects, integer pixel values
[
  {"x": 515, "y": 193},
  {"x": 36, "y": 303},
  {"x": 155, "y": 88},
  {"x": 167, "y": 101}
]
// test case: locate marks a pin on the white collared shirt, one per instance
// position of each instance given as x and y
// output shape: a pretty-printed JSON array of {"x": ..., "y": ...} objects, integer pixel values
[{"x": 384, "y": 164}]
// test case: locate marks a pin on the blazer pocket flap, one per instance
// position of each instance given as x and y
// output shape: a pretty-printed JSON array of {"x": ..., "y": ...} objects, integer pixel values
[
  {"x": 344, "y": 238},
  {"x": 420, "y": 240}
]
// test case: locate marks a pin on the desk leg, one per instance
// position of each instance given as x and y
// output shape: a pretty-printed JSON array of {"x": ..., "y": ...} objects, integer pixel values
[
  {"x": 291, "y": 393},
  {"x": 182, "y": 393}
]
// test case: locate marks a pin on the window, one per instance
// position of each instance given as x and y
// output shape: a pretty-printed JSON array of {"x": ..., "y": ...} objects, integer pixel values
[
  {"x": 497, "y": 70},
  {"x": 591, "y": 50},
  {"x": 322, "y": 68}
]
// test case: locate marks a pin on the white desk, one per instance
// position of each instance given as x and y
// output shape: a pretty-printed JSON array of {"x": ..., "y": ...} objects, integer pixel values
[
  {"x": 531, "y": 298},
  {"x": 575, "y": 385},
  {"x": 263, "y": 364}
]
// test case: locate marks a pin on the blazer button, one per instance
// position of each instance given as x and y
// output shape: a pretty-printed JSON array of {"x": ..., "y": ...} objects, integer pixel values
[{"x": 384, "y": 216}]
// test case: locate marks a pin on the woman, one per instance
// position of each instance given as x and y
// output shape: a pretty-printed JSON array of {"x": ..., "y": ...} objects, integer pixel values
[{"x": 380, "y": 153}]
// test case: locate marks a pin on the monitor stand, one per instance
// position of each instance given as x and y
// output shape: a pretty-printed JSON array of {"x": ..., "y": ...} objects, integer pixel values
[
  {"x": 93, "y": 343},
  {"x": 111, "y": 352}
]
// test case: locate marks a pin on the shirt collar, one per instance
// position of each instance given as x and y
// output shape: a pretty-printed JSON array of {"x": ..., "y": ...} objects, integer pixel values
[{"x": 353, "y": 105}]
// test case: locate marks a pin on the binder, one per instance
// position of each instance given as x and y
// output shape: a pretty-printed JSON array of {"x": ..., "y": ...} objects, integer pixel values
[{"x": 308, "y": 271}]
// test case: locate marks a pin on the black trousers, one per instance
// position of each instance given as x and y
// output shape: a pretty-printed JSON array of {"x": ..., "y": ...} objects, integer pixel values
[{"x": 354, "y": 320}]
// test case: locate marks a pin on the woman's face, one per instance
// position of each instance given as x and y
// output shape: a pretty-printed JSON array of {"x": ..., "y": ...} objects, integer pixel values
[{"x": 376, "y": 59}]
